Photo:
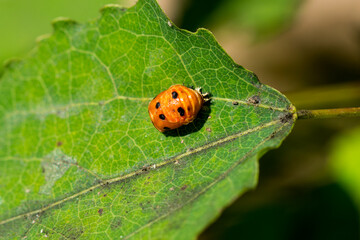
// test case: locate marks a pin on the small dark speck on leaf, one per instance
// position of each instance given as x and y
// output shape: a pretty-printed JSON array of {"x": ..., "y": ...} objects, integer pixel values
[
  {"x": 116, "y": 223},
  {"x": 208, "y": 129},
  {"x": 59, "y": 143},
  {"x": 183, "y": 187},
  {"x": 286, "y": 118},
  {"x": 254, "y": 100},
  {"x": 105, "y": 195},
  {"x": 100, "y": 211},
  {"x": 235, "y": 103}
]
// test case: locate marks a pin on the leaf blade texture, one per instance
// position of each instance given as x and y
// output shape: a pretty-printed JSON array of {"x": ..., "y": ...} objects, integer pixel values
[{"x": 79, "y": 157}]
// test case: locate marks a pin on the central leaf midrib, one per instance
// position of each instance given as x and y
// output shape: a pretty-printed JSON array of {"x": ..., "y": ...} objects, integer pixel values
[{"x": 56, "y": 109}]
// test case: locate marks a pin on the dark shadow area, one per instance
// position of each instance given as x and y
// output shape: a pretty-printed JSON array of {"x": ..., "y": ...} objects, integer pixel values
[
  {"x": 325, "y": 213},
  {"x": 194, "y": 126},
  {"x": 295, "y": 198},
  {"x": 197, "y": 12},
  {"x": 328, "y": 68}
]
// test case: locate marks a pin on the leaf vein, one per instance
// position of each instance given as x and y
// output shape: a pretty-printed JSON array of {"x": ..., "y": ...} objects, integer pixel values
[{"x": 154, "y": 166}]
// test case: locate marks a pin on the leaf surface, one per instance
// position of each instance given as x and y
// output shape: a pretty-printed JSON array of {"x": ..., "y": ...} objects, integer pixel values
[{"x": 79, "y": 156}]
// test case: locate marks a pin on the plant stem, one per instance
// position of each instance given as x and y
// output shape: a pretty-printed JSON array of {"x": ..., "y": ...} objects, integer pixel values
[{"x": 329, "y": 113}]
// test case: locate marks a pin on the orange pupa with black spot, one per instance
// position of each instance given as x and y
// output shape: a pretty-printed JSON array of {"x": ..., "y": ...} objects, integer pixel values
[{"x": 175, "y": 107}]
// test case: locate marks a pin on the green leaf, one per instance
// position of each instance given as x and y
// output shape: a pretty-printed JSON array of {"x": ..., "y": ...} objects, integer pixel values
[
  {"x": 79, "y": 156},
  {"x": 345, "y": 164}
]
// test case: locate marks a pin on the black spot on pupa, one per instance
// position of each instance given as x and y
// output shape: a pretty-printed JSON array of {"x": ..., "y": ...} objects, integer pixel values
[
  {"x": 162, "y": 116},
  {"x": 174, "y": 95},
  {"x": 181, "y": 111},
  {"x": 188, "y": 108},
  {"x": 157, "y": 105}
]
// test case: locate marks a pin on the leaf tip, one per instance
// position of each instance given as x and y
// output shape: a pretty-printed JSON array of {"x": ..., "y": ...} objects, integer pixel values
[
  {"x": 42, "y": 37},
  {"x": 203, "y": 31},
  {"x": 293, "y": 111},
  {"x": 111, "y": 8},
  {"x": 62, "y": 22}
]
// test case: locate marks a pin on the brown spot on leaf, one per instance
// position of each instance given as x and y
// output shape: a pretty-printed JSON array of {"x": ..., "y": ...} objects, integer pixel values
[
  {"x": 100, "y": 211},
  {"x": 286, "y": 118},
  {"x": 59, "y": 143},
  {"x": 116, "y": 223},
  {"x": 183, "y": 187},
  {"x": 254, "y": 100}
]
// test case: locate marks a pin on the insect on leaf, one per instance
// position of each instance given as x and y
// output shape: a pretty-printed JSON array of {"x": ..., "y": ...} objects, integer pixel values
[{"x": 79, "y": 156}]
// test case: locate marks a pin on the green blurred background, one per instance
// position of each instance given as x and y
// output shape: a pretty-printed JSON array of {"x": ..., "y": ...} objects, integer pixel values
[{"x": 309, "y": 188}]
